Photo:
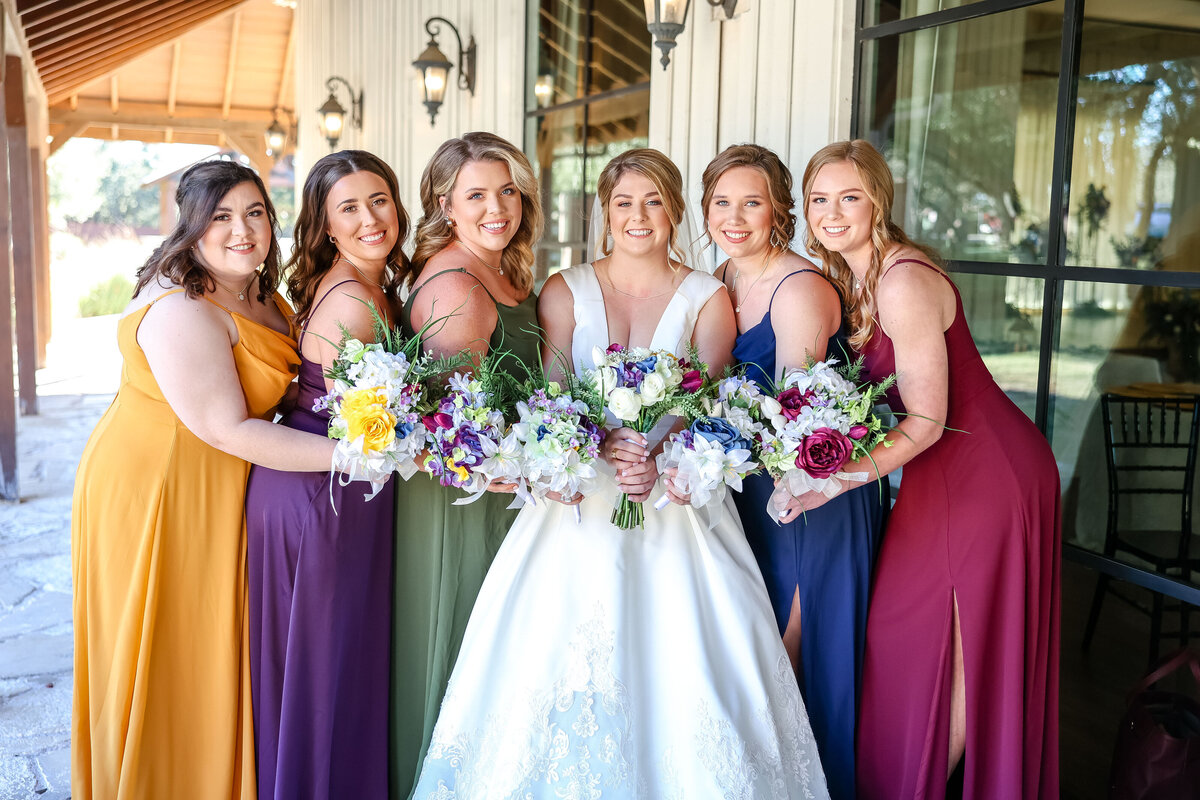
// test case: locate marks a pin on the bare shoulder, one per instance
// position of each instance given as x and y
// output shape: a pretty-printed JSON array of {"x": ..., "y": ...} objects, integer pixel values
[
  {"x": 453, "y": 288},
  {"x": 555, "y": 293},
  {"x": 179, "y": 318}
]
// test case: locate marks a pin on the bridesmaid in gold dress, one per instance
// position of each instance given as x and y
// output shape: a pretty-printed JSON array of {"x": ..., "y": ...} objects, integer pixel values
[{"x": 158, "y": 556}]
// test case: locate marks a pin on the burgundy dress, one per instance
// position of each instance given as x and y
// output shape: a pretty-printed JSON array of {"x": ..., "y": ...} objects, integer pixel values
[
  {"x": 320, "y": 623},
  {"x": 977, "y": 519}
]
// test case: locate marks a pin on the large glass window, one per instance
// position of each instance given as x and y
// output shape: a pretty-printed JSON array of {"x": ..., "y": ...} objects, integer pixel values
[{"x": 587, "y": 99}]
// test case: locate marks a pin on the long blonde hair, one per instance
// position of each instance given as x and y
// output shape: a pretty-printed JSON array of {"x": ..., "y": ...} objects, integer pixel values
[
  {"x": 660, "y": 171},
  {"x": 434, "y": 231},
  {"x": 876, "y": 181}
]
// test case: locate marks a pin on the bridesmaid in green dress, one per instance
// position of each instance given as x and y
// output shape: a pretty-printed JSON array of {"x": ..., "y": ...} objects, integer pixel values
[{"x": 473, "y": 259}]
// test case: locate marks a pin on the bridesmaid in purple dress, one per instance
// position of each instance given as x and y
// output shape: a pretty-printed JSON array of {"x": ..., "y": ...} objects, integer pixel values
[
  {"x": 320, "y": 582},
  {"x": 961, "y": 663}
]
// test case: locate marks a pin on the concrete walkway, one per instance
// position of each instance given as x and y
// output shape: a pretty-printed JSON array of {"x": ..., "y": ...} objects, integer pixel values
[{"x": 35, "y": 563}]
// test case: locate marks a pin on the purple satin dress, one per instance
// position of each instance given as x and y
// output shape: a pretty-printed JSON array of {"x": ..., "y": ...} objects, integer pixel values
[{"x": 320, "y": 624}]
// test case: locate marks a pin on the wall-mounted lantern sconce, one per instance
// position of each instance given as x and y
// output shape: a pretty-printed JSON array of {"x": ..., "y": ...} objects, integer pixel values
[
  {"x": 543, "y": 89},
  {"x": 665, "y": 20},
  {"x": 333, "y": 114},
  {"x": 276, "y": 136},
  {"x": 435, "y": 67}
]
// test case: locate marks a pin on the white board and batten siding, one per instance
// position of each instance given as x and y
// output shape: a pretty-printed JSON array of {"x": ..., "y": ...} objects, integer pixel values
[
  {"x": 779, "y": 74},
  {"x": 372, "y": 44}
]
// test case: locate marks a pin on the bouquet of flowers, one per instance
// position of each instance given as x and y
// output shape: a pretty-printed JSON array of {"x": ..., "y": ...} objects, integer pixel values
[
  {"x": 716, "y": 450},
  {"x": 378, "y": 388},
  {"x": 559, "y": 438},
  {"x": 465, "y": 438},
  {"x": 639, "y": 386},
  {"x": 822, "y": 417}
]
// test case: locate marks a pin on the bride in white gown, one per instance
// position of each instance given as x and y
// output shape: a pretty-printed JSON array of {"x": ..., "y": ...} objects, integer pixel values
[{"x": 601, "y": 663}]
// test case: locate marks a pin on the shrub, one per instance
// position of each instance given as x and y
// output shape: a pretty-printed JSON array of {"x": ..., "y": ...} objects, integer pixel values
[{"x": 109, "y": 297}]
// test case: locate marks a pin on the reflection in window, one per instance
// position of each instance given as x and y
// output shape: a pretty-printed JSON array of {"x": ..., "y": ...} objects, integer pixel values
[
  {"x": 878, "y": 11},
  {"x": 1141, "y": 340},
  {"x": 965, "y": 114},
  {"x": 600, "y": 52},
  {"x": 1135, "y": 177},
  {"x": 1005, "y": 317}
]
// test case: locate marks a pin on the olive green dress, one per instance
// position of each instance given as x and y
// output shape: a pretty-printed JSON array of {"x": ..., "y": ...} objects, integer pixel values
[{"x": 442, "y": 553}]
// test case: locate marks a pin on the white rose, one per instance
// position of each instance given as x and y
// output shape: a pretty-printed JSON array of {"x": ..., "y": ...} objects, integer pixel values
[
  {"x": 654, "y": 388},
  {"x": 606, "y": 380},
  {"x": 669, "y": 372},
  {"x": 624, "y": 403}
]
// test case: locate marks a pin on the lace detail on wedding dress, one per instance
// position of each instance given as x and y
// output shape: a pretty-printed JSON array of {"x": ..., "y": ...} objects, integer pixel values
[
  {"x": 574, "y": 741},
  {"x": 745, "y": 770}
]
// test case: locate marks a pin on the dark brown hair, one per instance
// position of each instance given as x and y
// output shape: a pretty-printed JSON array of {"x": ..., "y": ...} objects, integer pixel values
[
  {"x": 312, "y": 253},
  {"x": 434, "y": 232},
  {"x": 200, "y": 190}
]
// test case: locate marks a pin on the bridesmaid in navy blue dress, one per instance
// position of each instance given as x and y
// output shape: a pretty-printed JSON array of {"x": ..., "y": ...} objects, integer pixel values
[{"x": 817, "y": 567}]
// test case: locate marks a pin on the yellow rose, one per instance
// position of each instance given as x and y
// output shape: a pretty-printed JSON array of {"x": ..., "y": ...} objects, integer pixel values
[{"x": 366, "y": 415}]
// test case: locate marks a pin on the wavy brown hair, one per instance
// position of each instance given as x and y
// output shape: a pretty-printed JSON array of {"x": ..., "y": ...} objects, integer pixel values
[
  {"x": 200, "y": 190},
  {"x": 876, "y": 180},
  {"x": 779, "y": 187},
  {"x": 659, "y": 170},
  {"x": 434, "y": 232},
  {"x": 312, "y": 253}
]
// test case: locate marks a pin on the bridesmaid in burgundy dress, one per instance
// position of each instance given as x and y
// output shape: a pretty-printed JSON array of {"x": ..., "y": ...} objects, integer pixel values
[
  {"x": 962, "y": 637},
  {"x": 320, "y": 581}
]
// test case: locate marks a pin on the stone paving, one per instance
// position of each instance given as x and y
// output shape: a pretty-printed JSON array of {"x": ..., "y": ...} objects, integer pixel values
[{"x": 35, "y": 564}]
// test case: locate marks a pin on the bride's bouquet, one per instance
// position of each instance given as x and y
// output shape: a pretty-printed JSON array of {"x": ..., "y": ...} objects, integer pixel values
[
  {"x": 716, "y": 450},
  {"x": 822, "y": 417},
  {"x": 639, "y": 386},
  {"x": 378, "y": 389}
]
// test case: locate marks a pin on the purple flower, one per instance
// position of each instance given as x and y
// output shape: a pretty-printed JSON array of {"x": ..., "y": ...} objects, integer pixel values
[
  {"x": 439, "y": 420},
  {"x": 792, "y": 402},
  {"x": 629, "y": 376},
  {"x": 615, "y": 348}
]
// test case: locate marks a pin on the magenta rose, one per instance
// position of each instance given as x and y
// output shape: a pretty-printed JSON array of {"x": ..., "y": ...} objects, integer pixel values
[
  {"x": 792, "y": 401},
  {"x": 822, "y": 452},
  {"x": 858, "y": 431},
  {"x": 692, "y": 381}
]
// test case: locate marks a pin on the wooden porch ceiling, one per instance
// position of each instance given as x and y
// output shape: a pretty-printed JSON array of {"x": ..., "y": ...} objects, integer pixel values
[{"x": 199, "y": 71}]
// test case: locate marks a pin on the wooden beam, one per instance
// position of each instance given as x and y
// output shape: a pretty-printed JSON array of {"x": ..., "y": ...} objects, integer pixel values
[
  {"x": 281, "y": 98},
  {"x": 62, "y": 80},
  {"x": 114, "y": 93},
  {"x": 71, "y": 130},
  {"x": 100, "y": 110},
  {"x": 8, "y": 405},
  {"x": 41, "y": 241},
  {"x": 253, "y": 148},
  {"x": 160, "y": 120},
  {"x": 96, "y": 16},
  {"x": 56, "y": 8},
  {"x": 72, "y": 41},
  {"x": 231, "y": 63},
  {"x": 173, "y": 85},
  {"x": 24, "y": 268}
]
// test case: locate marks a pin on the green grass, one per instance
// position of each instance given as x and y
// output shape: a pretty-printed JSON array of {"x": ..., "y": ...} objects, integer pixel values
[{"x": 108, "y": 297}]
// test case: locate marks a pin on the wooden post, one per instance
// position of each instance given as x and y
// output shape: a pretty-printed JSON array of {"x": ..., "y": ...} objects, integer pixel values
[
  {"x": 21, "y": 214},
  {"x": 41, "y": 237},
  {"x": 8, "y": 405}
]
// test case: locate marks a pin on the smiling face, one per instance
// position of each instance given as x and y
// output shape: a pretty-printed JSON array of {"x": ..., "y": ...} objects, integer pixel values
[
  {"x": 485, "y": 205},
  {"x": 238, "y": 235},
  {"x": 739, "y": 215},
  {"x": 362, "y": 217},
  {"x": 839, "y": 211},
  {"x": 637, "y": 218}
]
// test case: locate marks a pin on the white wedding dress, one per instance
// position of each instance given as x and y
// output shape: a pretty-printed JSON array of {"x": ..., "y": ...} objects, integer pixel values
[{"x": 601, "y": 663}]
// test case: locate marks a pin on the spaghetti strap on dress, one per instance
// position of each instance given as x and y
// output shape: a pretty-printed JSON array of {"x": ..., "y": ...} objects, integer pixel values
[{"x": 976, "y": 523}]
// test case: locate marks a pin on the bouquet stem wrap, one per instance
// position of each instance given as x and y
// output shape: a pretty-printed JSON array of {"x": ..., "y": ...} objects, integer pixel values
[{"x": 797, "y": 482}]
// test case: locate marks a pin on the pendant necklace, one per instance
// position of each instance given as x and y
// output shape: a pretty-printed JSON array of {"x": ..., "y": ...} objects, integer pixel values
[
  {"x": 737, "y": 309},
  {"x": 498, "y": 270},
  {"x": 241, "y": 295},
  {"x": 354, "y": 266}
]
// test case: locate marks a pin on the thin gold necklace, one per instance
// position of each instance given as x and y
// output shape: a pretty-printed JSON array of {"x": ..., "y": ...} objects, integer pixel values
[
  {"x": 499, "y": 270},
  {"x": 742, "y": 296},
  {"x": 613, "y": 286},
  {"x": 359, "y": 271},
  {"x": 242, "y": 294}
]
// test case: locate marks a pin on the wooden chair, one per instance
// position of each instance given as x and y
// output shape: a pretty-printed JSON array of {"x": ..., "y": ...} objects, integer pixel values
[{"x": 1150, "y": 450}]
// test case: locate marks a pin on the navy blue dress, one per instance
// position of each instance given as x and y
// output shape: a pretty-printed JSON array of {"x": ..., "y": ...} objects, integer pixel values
[{"x": 827, "y": 555}]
